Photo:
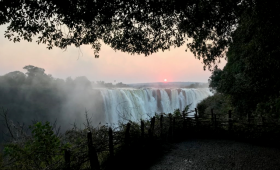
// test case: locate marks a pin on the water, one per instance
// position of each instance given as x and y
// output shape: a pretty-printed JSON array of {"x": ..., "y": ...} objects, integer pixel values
[{"x": 125, "y": 104}]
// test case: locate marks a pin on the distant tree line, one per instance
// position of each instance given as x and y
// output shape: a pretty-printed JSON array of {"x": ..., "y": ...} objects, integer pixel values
[
  {"x": 197, "y": 85},
  {"x": 35, "y": 95},
  {"x": 108, "y": 85}
]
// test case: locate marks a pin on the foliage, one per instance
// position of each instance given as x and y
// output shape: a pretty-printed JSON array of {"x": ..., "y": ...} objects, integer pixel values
[
  {"x": 142, "y": 27},
  {"x": 43, "y": 149},
  {"x": 36, "y": 95},
  {"x": 214, "y": 79},
  {"x": 187, "y": 108},
  {"x": 269, "y": 109},
  {"x": 197, "y": 85},
  {"x": 220, "y": 104},
  {"x": 47, "y": 148},
  {"x": 251, "y": 76},
  {"x": 177, "y": 112},
  {"x": 30, "y": 93},
  {"x": 108, "y": 85},
  {"x": 1, "y": 162}
]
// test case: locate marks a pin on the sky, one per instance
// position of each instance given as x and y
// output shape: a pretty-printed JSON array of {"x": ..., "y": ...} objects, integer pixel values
[{"x": 175, "y": 65}]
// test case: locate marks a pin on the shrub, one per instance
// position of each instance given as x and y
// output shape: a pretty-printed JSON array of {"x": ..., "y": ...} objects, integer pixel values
[
  {"x": 43, "y": 149},
  {"x": 218, "y": 102}
]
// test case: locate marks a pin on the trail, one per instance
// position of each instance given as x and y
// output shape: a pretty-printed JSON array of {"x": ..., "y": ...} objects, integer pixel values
[{"x": 218, "y": 155}]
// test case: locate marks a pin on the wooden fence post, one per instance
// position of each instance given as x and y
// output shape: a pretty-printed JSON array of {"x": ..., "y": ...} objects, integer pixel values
[
  {"x": 111, "y": 145},
  {"x": 142, "y": 130},
  {"x": 170, "y": 127},
  {"x": 212, "y": 116},
  {"x": 67, "y": 159},
  {"x": 184, "y": 121},
  {"x": 127, "y": 138},
  {"x": 161, "y": 126},
  {"x": 196, "y": 117},
  {"x": 230, "y": 123},
  {"x": 215, "y": 121},
  {"x": 152, "y": 126},
  {"x": 93, "y": 159},
  {"x": 173, "y": 128}
]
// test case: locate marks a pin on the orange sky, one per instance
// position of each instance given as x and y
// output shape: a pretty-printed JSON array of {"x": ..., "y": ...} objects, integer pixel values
[{"x": 174, "y": 65}]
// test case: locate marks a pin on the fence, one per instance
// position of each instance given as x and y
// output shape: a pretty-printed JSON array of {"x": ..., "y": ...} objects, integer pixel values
[{"x": 169, "y": 128}]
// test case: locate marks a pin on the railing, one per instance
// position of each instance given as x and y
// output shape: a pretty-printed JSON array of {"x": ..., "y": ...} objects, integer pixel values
[{"x": 170, "y": 128}]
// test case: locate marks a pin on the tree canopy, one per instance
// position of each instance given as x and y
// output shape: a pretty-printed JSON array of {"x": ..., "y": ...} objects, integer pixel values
[
  {"x": 245, "y": 31},
  {"x": 251, "y": 76},
  {"x": 137, "y": 26},
  {"x": 34, "y": 95}
]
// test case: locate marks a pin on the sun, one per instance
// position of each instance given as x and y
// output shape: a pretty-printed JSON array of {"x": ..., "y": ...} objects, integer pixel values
[{"x": 165, "y": 80}]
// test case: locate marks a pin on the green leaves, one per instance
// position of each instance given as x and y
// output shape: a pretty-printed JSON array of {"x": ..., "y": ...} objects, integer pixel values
[
  {"x": 220, "y": 103},
  {"x": 251, "y": 76},
  {"x": 43, "y": 149},
  {"x": 177, "y": 112},
  {"x": 44, "y": 141}
]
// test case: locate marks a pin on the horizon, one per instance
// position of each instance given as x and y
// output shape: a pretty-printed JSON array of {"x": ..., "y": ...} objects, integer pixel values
[
  {"x": 163, "y": 82},
  {"x": 175, "y": 64}
]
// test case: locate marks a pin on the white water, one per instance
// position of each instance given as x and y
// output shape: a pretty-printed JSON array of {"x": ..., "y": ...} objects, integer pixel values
[{"x": 136, "y": 104}]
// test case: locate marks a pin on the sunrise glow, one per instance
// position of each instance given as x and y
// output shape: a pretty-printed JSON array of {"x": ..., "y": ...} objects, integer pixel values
[
  {"x": 176, "y": 64},
  {"x": 165, "y": 80}
]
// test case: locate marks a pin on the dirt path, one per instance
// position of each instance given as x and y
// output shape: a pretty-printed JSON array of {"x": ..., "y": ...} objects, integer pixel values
[{"x": 219, "y": 155}]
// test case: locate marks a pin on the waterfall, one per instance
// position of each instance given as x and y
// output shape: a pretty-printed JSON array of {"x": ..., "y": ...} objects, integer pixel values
[{"x": 122, "y": 104}]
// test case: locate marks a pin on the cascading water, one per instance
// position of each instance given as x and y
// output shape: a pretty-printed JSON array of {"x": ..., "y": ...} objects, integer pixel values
[{"x": 134, "y": 104}]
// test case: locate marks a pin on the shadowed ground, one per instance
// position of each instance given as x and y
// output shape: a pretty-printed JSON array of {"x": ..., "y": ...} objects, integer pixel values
[{"x": 218, "y": 154}]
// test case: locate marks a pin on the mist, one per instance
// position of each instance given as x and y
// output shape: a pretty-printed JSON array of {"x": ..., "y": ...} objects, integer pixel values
[{"x": 36, "y": 96}]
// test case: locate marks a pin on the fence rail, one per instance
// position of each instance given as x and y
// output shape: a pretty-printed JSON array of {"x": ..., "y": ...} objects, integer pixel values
[{"x": 170, "y": 128}]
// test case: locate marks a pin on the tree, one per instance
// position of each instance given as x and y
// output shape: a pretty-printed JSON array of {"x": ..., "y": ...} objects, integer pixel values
[
  {"x": 247, "y": 30},
  {"x": 82, "y": 83},
  {"x": 251, "y": 76},
  {"x": 41, "y": 150},
  {"x": 37, "y": 76},
  {"x": 33, "y": 71},
  {"x": 15, "y": 77},
  {"x": 138, "y": 26}
]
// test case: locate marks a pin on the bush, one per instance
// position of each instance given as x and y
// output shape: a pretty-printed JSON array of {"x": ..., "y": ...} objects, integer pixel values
[
  {"x": 218, "y": 102},
  {"x": 269, "y": 109},
  {"x": 43, "y": 149}
]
